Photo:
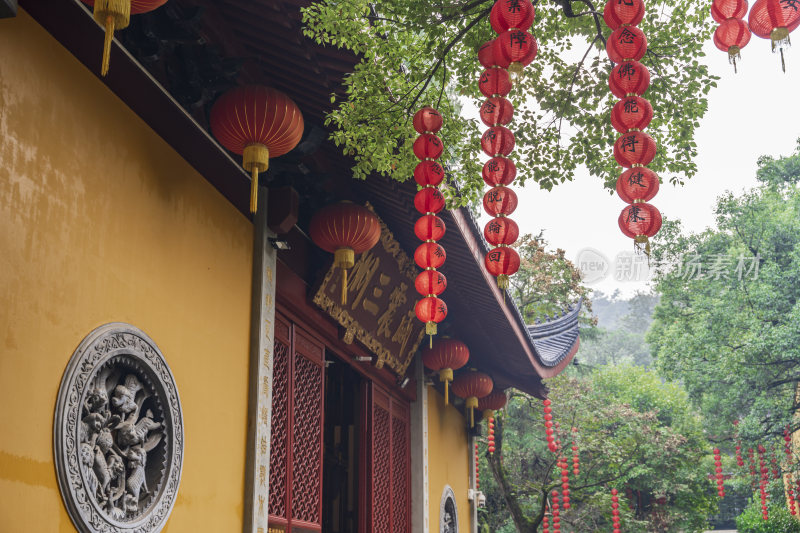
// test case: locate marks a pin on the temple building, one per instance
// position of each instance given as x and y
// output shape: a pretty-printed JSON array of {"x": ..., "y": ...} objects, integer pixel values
[{"x": 170, "y": 362}]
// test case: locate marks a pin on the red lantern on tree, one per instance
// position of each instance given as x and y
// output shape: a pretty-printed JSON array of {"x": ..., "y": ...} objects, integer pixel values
[
  {"x": 518, "y": 47},
  {"x": 500, "y": 200},
  {"x": 444, "y": 356},
  {"x": 626, "y": 43},
  {"x": 471, "y": 386},
  {"x": 497, "y": 111},
  {"x": 629, "y": 78},
  {"x": 722, "y": 10},
  {"x": 429, "y": 172},
  {"x": 501, "y": 263},
  {"x": 429, "y": 200},
  {"x": 731, "y": 36},
  {"x": 489, "y": 404},
  {"x": 631, "y": 113},
  {"x": 429, "y": 228},
  {"x": 487, "y": 57},
  {"x": 495, "y": 82},
  {"x": 517, "y": 14},
  {"x": 499, "y": 171},
  {"x": 257, "y": 123},
  {"x": 615, "y": 510},
  {"x": 775, "y": 20},
  {"x": 497, "y": 140},
  {"x": 640, "y": 221},
  {"x": 628, "y": 13},
  {"x": 115, "y": 15},
  {"x": 428, "y": 146},
  {"x": 501, "y": 231},
  {"x": 637, "y": 183},
  {"x": 634, "y": 148},
  {"x": 427, "y": 120},
  {"x": 345, "y": 229}
]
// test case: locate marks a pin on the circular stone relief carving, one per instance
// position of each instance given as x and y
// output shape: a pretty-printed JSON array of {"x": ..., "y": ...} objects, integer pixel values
[
  {"x": 118, "y": 433},
  {"x": 448, "y": 512}
]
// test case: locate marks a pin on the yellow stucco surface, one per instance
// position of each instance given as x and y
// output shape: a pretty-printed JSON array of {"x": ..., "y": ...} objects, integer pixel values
[
  {"x": 101, "y": 221},
  {"x": 448, "y": 459}
]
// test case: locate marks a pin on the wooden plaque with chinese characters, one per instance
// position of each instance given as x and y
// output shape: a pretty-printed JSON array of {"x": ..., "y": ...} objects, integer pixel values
[{"x": 380, "y": 302}]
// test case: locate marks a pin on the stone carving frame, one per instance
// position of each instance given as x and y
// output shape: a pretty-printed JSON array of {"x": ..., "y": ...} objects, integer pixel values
[
  {"x": 147, "y": 449},
  {"x": 448, "y": 497}
]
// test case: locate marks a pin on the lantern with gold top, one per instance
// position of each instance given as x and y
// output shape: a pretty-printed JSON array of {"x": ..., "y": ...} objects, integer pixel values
[
  {"x": 471, "y": 386},
  {"x": 444, "y": 356}
]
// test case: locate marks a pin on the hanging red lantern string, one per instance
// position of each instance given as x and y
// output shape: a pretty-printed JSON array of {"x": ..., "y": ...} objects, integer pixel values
[
  {"x": 514, "y": 47},
  {"x": 115, "y": 15},
  {"x": 775, "y": 20},
  {"x": 556, "y": 512},
  {"x": 471, "y": 386},
  {"x": 564, "y": 482},
  {"x": 792, "y": 504},
  {"x": 545, "y": 524},
  {"x": 517, "y": 15},
  {"x": 629, "y": 78},
  {"x": 628, "y": 13},
  {"x": 344, "y": 229},
  {"x": 548, "y": 425},
  {"x": 752, "y": 463},
  {"x": 626, "y": 43},
  {"x": 640, "y": 221},
  {"x": 773, "y": 460},
  {"x": 429, "y": 228},
  {"x": 722, "y": 10},
  {"x": 477, "y": 469},
  {"x": 575, "y": 458},
  {"x": 637, "y": 183},
  {"x": 718, "y": 473},
  {"x": 615, "y": 510},
  {"x": 257, "y": 123},
  {"x": 445, "y": 356},
  {"x": 488, "y": 405},
  {"x": 739, "y": 459},
  {"x": 787, "y": 444},
  {"x": 731, "y": 36},
  {"x": 762, "y": 485}
]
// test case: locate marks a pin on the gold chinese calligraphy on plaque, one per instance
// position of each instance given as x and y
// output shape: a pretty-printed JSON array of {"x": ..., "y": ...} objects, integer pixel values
[{"x": 381, "y": 299}]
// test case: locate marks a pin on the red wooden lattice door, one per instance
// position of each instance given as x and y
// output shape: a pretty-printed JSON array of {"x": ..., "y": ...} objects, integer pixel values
[
  {"x": 389, "y": 468},
  {"x": 295, "y": 477}
]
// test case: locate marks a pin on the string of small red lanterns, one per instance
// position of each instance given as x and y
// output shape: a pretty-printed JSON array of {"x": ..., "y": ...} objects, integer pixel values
[
  {"x": 718, "y": 473},
  {"x": 634, "y": 149},
  {"x": 545, "y": 524},
  {"x": 477, "y": 469},
  {"x": 506, "y": 55},
  {"x": 752, "y": 462},
  {"x": 445, "y": 355},
  {"x": 739, "y": 459},
  {"x": 488, "y": 405},
  {"x": 787, "y": 444},
  {"x": 548, "y": 425},
  {"x": 575, "y": 458},
  {"x": 615, "y": 510},
  {"x": 556, "y": 513},
  {"x": 429, "y": 227},
  {"x": 733, "y": 33},
  {"x": 792, "y": 504},
  {"x": 564, "y": 482},
  {"x": 762, "y": 485},
  {"x": 773, "y": 460}
]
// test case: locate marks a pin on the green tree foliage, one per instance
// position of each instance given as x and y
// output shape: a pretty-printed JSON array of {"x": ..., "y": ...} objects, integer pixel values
[
  {"x": 728, "y": 324},
  {"x": 780, "y": 520},
  {"x": 635, "y": 433},
  {"x": 414, "y": 53}
]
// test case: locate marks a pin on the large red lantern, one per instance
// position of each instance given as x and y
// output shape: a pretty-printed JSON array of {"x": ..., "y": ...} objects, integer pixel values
[
  {"x": 500, "y": 201},
  {"x": 637, "y": 183},
  {"x": 731, "y": 36},
  {"x": 626, "y": 43},
  {"x": 631, "y": 113},
  {"x": 495, "y": 82},
  {"x": 501, "y": 263},
  {"x": 634, "y": 148},
  {"x": 775, "y": 20},
  {"x": 471, "y": 386},
  {"x": 345, "y": 229},
  {"x": 722, "y": 10},
  {"x": 516, "y": 14},
  {"x": 257, "y": 123},
  {"x": 640, "y": 221},
  {"x": 629, "y": 78},
  {"x": 518, "y": 47},
  {"x": 627, "y": 13},
  {"x": 444, "y": 356},
  {"x": 115, "y": 15},
  {"x": 501, "y": 230},
  {"x": 499, "y": 171},
  {"x": 492, "y": 402},
  {"x": 497, "y": 111}
]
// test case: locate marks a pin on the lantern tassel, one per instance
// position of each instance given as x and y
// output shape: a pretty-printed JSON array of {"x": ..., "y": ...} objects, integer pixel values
[
  {"x": 446, "y": 393},
  {"x": 344, "y": 286},
  {"x": 254, "y": 190},
  {"x": 109, "y": 27},
  {"x": 471, "y": 417}
]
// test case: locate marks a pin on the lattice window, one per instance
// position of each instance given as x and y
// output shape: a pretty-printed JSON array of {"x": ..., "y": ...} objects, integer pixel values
[
  {"x": 400, "y": 448},
  {"x": 382, "y": 469},
  {"x": 280, "y": 422},
  {"x": 307, "y": 441}
]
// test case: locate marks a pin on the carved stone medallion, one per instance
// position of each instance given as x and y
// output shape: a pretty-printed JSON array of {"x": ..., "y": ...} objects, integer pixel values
[
  {"x": 118, "y": 433},
  {"x": 448, "y": 512}
]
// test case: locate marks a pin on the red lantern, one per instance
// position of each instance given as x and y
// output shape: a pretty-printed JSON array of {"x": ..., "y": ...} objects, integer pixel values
[
  {"x": 431, "y": 310},
  {"x": 430, "y": 282},
  {"x": 775, "y": 20},
  {"x": 257, "y": 123},
  {"x": 429, "y": 172},
  {"x": 640, "y": 221},
  {"x": 634, "y": 148},
  {"x": 629, "y": 78},
  {"x": 638, "y": 183},
  {"x": 626, "y": 43},
  {"x": 628, "y": 13},
  {"x": 515, "y": 14},
  {"x": 518, "y": 47},
  {"x": 427, "y": 120},
  {"x": 115, "y": 15},
  {"x": 491, "y": 403},
  {"x": 428, "y": 146},
  {"x": 501, "y": 230},
  {"x": 487, "y": 57},
  {"x": 631, "y": 113},
  {"x": 444, "y": 356},
  {"x": 429, "y": 228},
  {"x": 722, "y": 10},
  {"x": 499, "y": 171},
  {"x": 471, "y": 386},
  {"x": 497, "y": 140},
  {"x": 501, "y": 263},
  {"x": 731, "y": 36},
  {"x": 429, "y": 200},
  {"x": 500, "y": 201},
  {"x": 497, "y": 111},
  {"x": 345, "y": 229},
  {"x": 429, "y": 255},
  {"x": 495, "y": 82}
]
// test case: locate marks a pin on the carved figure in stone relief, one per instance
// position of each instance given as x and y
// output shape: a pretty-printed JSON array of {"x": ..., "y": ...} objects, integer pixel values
[{"x": 125, "y": 395}]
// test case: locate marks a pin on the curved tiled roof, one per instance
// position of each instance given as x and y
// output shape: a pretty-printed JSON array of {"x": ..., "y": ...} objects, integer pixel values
[{"x": 556, "y": 339}]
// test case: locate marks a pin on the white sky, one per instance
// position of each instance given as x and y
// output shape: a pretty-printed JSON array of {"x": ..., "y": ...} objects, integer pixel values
[{"x": 750, "y": 114}]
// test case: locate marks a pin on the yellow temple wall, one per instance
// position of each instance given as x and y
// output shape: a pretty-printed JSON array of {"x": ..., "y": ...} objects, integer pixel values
[
  {"x": 448, "y": 459},
  {"x": 101, "y": 221}
]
